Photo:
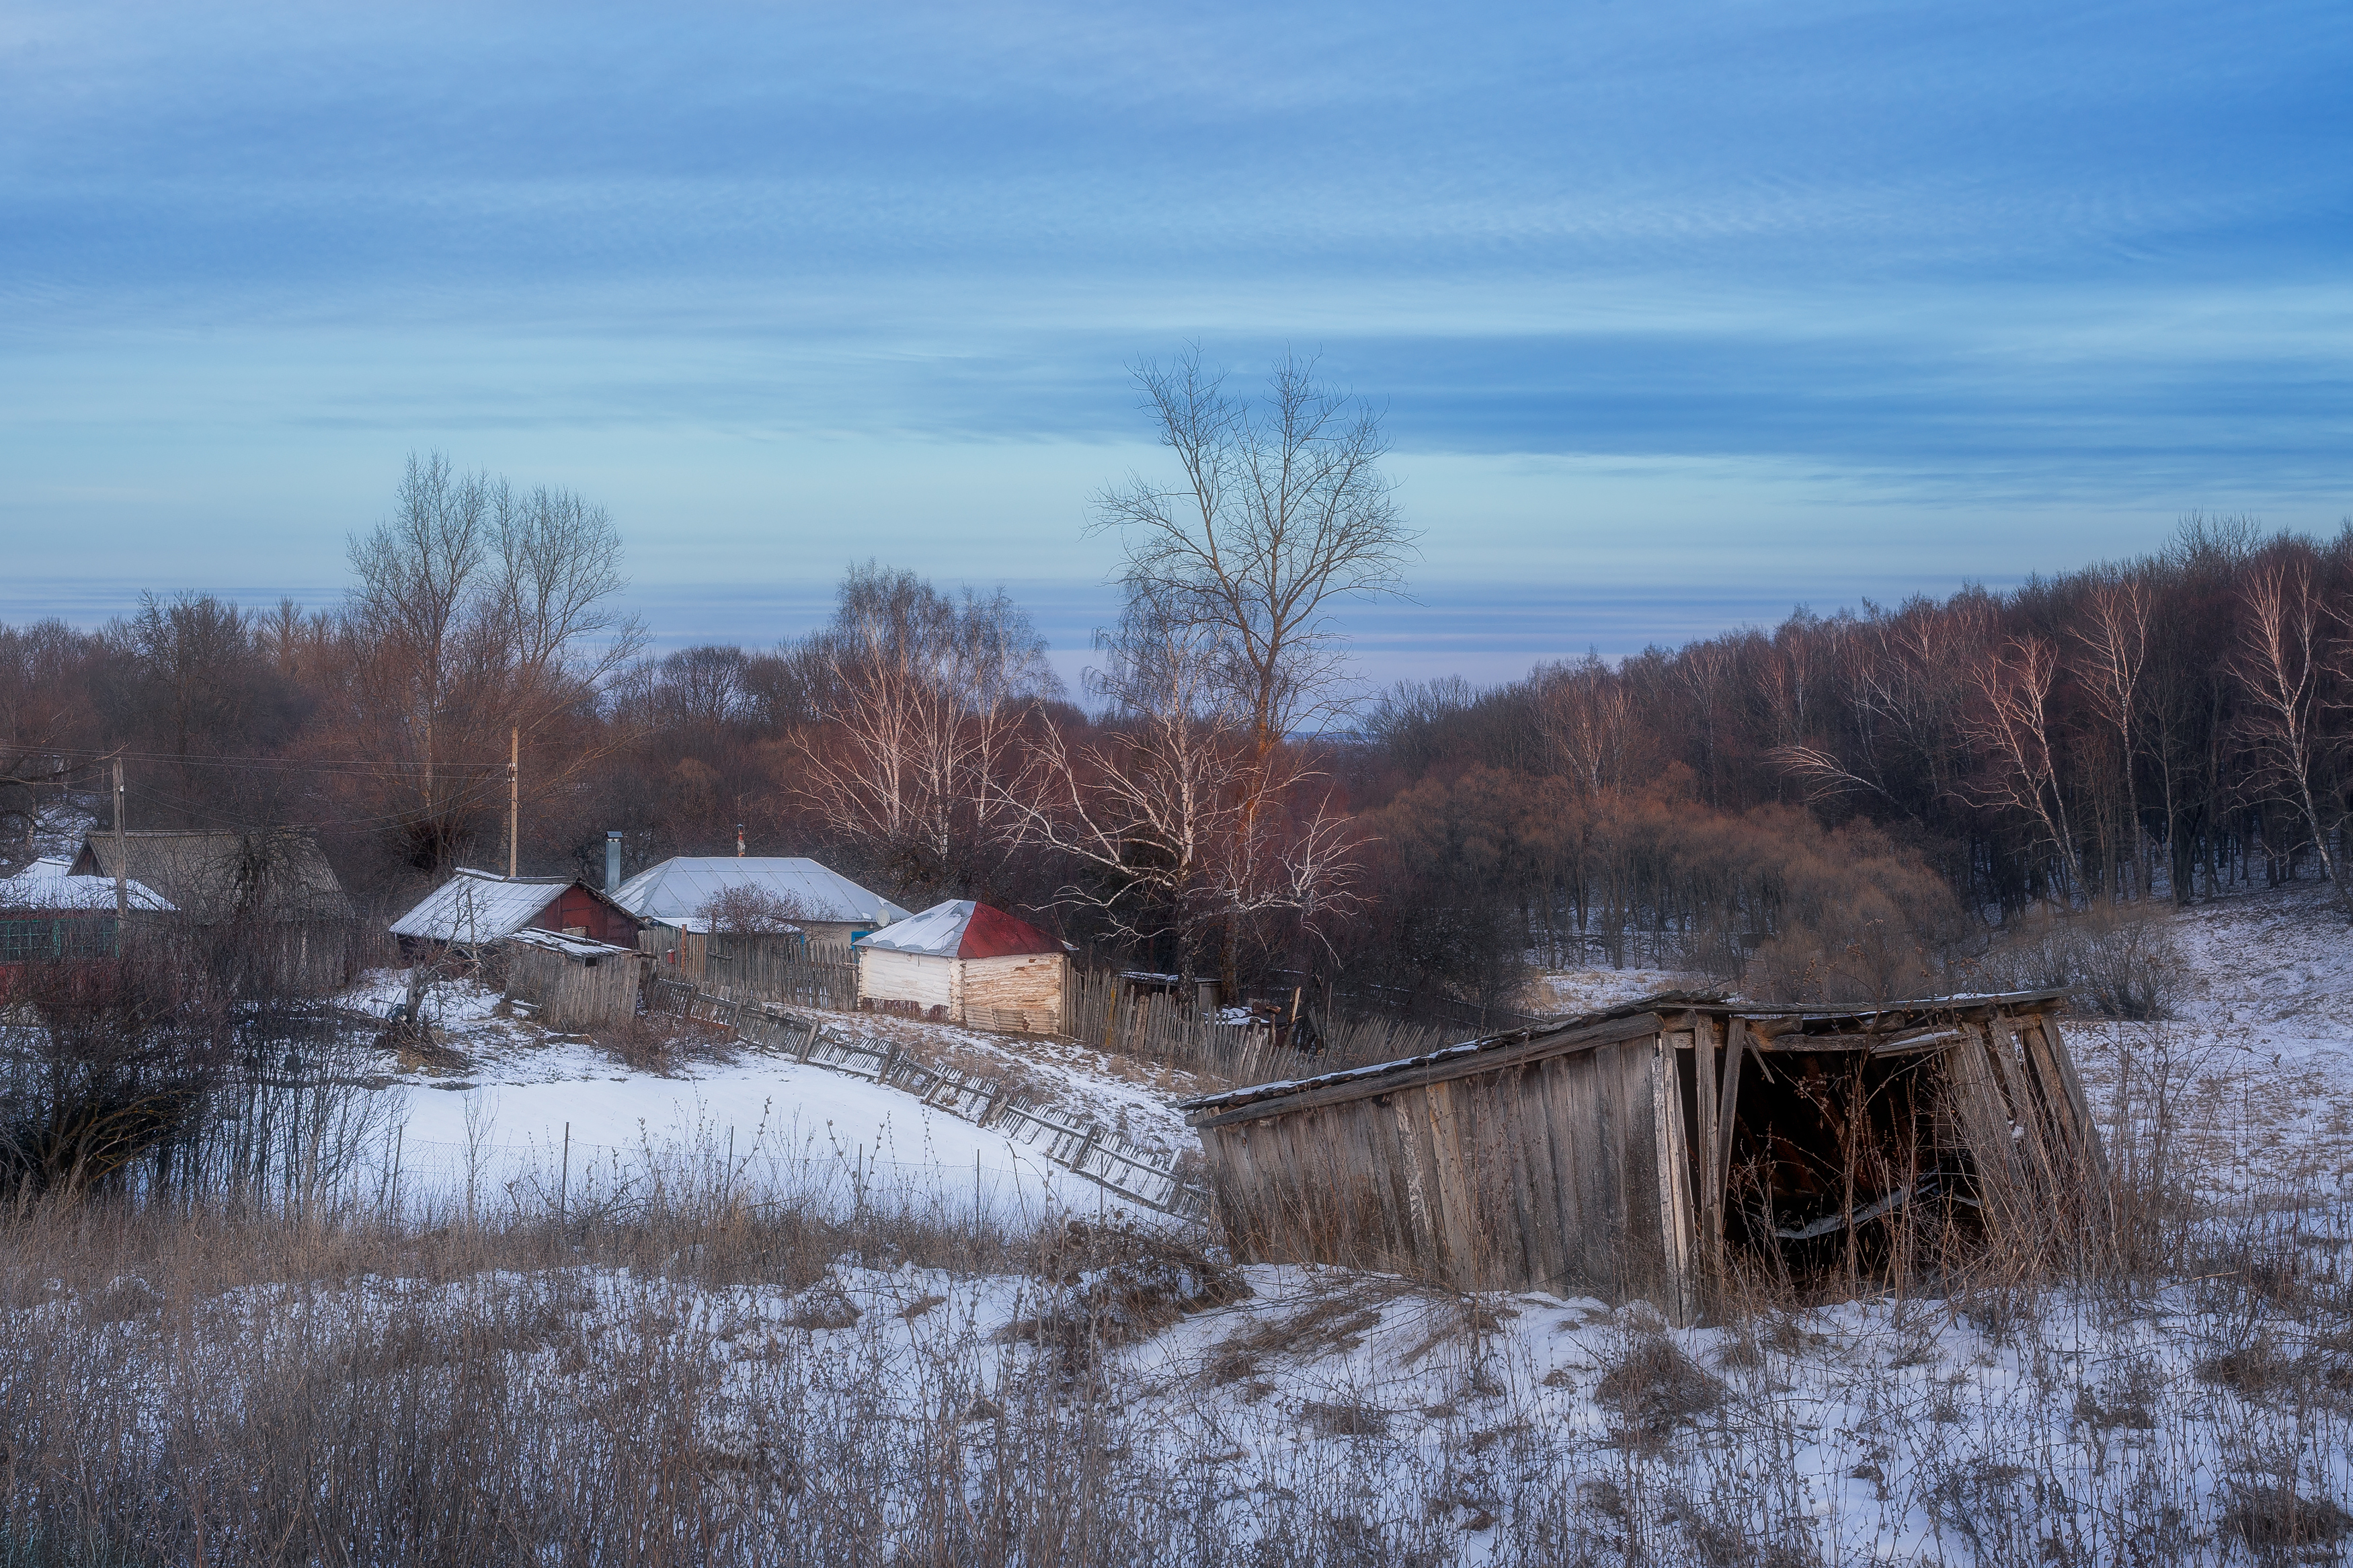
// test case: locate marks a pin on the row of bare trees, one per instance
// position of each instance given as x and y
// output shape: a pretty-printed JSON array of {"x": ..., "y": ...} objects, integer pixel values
[
  {"x": 2170, "y": 726},
  {"x": 2167, "y": 726}
]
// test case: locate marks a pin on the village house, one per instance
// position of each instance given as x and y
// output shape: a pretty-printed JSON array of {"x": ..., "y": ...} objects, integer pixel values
[
  {"x": 47, "y": 910},
  {"x": 475, "y": 908},
  {"x": 209, "y": 874},
  {"x": 967, "y": 962},
  {"x": 829, "y": 909}
]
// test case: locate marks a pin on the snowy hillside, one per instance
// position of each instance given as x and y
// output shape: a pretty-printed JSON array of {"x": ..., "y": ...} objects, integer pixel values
[
  {"x": 502, "y": 1100},
  {"x": 2195, "y": 1415}
]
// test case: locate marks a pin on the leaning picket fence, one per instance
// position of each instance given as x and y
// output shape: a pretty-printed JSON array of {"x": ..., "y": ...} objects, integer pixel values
[{"x": 1093, "y": 1150}]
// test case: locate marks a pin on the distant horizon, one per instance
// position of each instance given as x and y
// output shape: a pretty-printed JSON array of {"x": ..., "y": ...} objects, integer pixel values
[{"x": 1485, "y": 633}]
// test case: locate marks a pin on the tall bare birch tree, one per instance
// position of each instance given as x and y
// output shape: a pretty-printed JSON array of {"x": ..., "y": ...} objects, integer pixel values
[
  {"x": 2012, "y": 727},
  {"x": 921, "y": 696},
  {"x": 477, "y": 609},
  {"x": 1157, "y": 804},
  {"x": 2113, "y": 643},
  {"x": 1277, "y": 510},
  {"x": 2281, "y": 663}
]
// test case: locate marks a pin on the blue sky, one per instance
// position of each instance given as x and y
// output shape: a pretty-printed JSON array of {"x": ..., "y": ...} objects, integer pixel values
[{"x": 1680, "y": 313}]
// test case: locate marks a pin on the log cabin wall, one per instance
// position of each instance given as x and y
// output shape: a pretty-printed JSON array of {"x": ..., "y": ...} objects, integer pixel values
[{"x": 1021, "y": 992}]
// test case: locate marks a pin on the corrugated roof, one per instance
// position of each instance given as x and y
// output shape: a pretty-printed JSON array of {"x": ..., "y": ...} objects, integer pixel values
[
  {"x": 274, "y": 871},
  {"x": 477, "y": 906},
  {"x": 570, "y": 946},
  {"x": 683, "y": 887},
  {"x": 959, "y": 928},
  {"x": 47, "y": 884}
]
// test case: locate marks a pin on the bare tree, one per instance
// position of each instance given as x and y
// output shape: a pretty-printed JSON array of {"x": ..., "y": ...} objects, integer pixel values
[
  {"x": 1159, "y": 806},
  {"x": 2113, "y": 637},
  {"x": 2281, "y": 664},
  {"x": 746, "y": 910},
  {"x": 922, "y": 695},
  {"x": 1586, "y": 715},
  {"x": 477, "y": 610},
  {"x": 2014, "y": 730},
  {"x": 1279, "y": 509}
]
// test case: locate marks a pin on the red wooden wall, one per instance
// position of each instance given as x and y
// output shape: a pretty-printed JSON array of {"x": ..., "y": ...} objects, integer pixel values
[{"x": 576, "y": 905}]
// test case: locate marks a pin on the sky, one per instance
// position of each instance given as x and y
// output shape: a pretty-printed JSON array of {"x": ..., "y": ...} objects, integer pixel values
[{"x": 1677, "y": 315}]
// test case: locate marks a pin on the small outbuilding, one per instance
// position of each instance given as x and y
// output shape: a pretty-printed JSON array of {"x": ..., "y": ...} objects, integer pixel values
[
  {"x": 1652, "y": 1150},
  {"x": 48, "y": 911},
  {"x": 967, "y": 962},
  {"x": 475, "y": 908},
  {"x": 574, "y": 982}
]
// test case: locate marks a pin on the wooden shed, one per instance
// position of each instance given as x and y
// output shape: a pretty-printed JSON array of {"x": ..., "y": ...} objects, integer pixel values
[
  {"x": 474, "y": 909},
  {"x": 967, "y": 964},
  {"x": 1635, "y": 1152},
  {"x": 575, "y": 983}
]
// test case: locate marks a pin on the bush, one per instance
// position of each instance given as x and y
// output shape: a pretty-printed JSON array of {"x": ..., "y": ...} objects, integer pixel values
[{"x": 2119, "y": 960}]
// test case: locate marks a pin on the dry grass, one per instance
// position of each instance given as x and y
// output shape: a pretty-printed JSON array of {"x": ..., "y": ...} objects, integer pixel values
[{"x": 702, "y": 1378}]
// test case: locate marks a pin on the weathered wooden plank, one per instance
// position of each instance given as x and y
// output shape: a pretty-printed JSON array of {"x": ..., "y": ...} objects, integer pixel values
[
  {"x": 1674, "y": 1185},
  {"x": 1727, "y": 1112},
  {"x": 1703, "y": 1084},
  {"x": 1640, "y": 1026}
]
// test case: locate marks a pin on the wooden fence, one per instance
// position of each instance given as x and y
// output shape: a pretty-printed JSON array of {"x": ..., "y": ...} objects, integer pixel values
[
  {"x": 1103, "y": 1008},
  {"x": 1093, "y": 1150},
  {"x": 771, "y": 968}
]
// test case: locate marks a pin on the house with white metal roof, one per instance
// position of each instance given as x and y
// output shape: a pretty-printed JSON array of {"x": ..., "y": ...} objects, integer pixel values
[
  {"x": 831, "y": 909},
  {"x": 46, "y": 911},
  {"x": 474, "y": 909}
]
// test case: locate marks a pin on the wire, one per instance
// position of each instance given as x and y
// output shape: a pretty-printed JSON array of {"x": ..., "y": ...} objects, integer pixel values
[{"x": 320, "y": 764}]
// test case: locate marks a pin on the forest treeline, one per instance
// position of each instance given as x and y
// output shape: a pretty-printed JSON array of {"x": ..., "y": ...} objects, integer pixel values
[{"x": 1842, "y": 806}]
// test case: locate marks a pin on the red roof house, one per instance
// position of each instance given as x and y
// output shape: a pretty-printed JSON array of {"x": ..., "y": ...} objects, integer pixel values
[{"x": 965, "y": 962}]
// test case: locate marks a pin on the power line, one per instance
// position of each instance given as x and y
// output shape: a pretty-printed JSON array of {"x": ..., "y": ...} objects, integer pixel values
[{"x": 297, "y": 763}]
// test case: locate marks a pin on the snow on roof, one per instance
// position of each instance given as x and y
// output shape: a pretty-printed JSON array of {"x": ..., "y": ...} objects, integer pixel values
[
  {"x": 683, "y": 887},
  {"x": 45, "y": 884},
  {"x": 477, "y": 906},
  {"x": 960, "y": 928},
  {"x": 570, "y": 946}
]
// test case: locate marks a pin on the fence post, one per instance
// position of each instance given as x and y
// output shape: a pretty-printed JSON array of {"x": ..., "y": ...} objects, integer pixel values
[
  {"x": 808, "y": 1041},
  {"x": 1086, "y": 1146}
]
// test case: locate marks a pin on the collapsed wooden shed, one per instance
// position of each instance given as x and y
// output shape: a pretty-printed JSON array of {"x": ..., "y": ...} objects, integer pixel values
[
  {"x": 1634, "y": 1153},
  {"x": 577, "y": 983}
]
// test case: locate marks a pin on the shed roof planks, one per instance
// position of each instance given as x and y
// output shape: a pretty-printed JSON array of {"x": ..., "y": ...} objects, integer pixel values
[{"x": 1636, "y": 1150}]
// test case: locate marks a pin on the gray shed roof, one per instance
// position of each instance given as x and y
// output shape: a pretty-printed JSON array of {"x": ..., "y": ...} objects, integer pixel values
[
  {"x": 683, "y": 887},
  {"x": 276, "y": 873},
  {"x": 479, "y": 906}
]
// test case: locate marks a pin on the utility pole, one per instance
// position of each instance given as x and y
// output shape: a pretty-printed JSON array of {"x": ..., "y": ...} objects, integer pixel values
[
  {"x": 121, "y": 867},
  {"x": 514, "y": 793}
]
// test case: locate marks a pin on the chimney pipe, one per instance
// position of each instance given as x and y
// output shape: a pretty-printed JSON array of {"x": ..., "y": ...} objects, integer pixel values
[{"x": 612, "y": 860}]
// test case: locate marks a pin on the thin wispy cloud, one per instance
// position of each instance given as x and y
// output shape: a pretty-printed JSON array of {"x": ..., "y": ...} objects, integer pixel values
[{"x": 2079, "y": 267}]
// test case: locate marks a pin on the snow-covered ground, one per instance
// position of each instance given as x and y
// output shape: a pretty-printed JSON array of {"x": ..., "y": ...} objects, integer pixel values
[
  {"x": 2179, "y": 1419},
  {"x": 2259, "y": 1061},
  {"x": 516, "y": 1113}
]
